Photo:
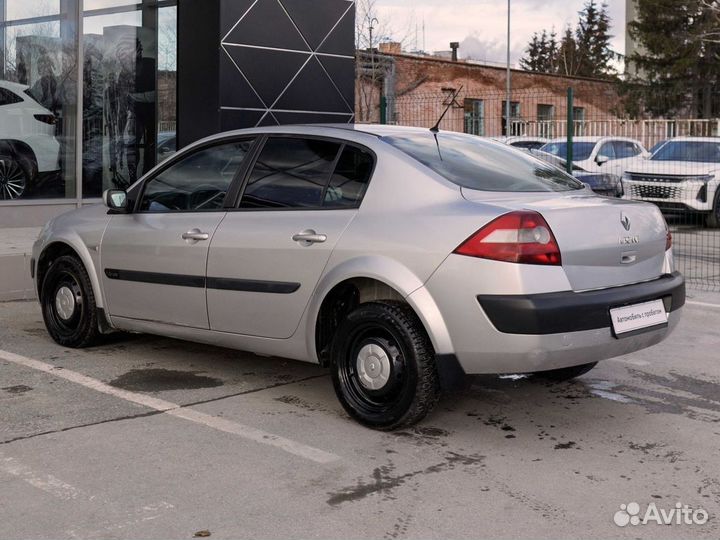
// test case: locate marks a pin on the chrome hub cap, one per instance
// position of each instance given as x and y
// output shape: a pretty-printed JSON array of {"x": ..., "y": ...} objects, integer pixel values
[
  {"x": 65, "y": 303},
  {"x": 373, "y": 366}
]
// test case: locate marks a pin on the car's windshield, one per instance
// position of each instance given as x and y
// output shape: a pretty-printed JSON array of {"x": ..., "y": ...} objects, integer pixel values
[
  {"x": 581, "y": 150},
  {"x": 697, "y": 151},
  {"x": 477, "y": 164}
]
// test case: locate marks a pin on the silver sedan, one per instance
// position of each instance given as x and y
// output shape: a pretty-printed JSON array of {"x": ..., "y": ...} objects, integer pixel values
[{"x": 401, "y": 258}]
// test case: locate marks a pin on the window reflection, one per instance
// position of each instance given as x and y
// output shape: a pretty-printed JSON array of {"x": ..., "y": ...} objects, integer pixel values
[{"x": 38, "y": 78}]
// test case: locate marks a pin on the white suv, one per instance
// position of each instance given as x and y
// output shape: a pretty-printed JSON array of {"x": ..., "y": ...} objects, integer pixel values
[
  {"x": 683, "y": 174},
  {"x": 609, "y": 155},
  {"x": 28, "y": 147}
]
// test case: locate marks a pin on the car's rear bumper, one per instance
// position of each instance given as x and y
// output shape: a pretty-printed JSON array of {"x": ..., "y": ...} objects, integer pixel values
[
  {"x": 507, "y": 337},
  {"x": 569, "y": 311}
]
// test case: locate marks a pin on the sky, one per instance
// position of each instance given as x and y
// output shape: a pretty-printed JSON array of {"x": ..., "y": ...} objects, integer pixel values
[{"x": 481, "y": 25}]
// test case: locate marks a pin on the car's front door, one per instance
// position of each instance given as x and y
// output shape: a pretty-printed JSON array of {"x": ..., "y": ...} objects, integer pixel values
[
  {"x": 268, "y": 255},
  {"x": 154, "y": 259}
]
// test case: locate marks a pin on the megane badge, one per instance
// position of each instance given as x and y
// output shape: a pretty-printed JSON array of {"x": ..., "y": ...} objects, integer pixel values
[{"x": 625, "y": 221}]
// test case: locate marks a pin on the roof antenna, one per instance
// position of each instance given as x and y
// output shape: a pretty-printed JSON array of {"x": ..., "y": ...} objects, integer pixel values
[{"x": 436, "y": 127}]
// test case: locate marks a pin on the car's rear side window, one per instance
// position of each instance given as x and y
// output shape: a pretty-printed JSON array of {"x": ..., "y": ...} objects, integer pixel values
[
  {"x": 8, "y": 98},
  {"x": 350, "y": 178},
  {"x": 474, "y": 163},
  {"x": 307, "y": 173}
]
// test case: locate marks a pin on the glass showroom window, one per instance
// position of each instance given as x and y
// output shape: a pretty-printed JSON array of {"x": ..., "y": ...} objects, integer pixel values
[
  {"x": 38, "y": 78},
  {"x": 129, "y": 96}
]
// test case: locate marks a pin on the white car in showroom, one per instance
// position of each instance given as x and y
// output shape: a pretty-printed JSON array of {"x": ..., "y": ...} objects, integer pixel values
[
  {"x": 683, "y": 174},
  {"x": 609, "y": 155},
  {"x": 28, "y": 147}
]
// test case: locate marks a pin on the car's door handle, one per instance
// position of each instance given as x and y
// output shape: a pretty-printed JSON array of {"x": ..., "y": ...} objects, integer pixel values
[
  {"x": 309, "y": 236},
  {"x": 195, "y": 234}
]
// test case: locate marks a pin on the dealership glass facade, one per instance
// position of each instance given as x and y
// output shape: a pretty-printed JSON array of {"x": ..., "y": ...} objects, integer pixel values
[{"x": 87, "y": 95}]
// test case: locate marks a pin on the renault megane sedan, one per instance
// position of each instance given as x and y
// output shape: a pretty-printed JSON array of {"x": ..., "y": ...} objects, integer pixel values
[{"x": 400, "y": 258}]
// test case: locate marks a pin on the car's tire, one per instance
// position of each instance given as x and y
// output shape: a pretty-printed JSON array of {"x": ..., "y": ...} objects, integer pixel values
[
  {"x": 383, "y": 366},
  {"x": 712, "y": 220},
  {"x": 15, "y": 178},
  {"x": 68, "y": 303},
  {"x": 565, "y": 374}
]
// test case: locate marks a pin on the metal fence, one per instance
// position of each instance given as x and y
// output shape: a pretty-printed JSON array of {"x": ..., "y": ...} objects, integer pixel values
[{"x": 671, "y": 162}]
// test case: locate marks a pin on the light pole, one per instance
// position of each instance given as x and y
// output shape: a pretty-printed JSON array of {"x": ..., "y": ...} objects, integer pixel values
[{"x": 508, "y": 87}]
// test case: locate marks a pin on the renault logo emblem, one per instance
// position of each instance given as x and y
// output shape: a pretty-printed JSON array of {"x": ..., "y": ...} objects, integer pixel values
[{"x": 625, "y": 221}]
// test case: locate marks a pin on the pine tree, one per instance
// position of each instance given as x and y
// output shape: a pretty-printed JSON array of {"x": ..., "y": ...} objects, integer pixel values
[
  {"x": 677, "y": 59},
  {"x": 582, "y": 51}
]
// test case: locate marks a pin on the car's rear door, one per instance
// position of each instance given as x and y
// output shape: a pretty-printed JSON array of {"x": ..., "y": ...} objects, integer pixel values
[
  {"x": 268, "y": 254},
  {"x": 154, "y": 259}
]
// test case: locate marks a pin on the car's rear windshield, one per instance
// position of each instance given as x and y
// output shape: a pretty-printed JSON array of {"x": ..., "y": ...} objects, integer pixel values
[
  {"x": 696, "y": 151},
  {"x": 581, "y": 150},
  {"x": 474, "y": 163}
]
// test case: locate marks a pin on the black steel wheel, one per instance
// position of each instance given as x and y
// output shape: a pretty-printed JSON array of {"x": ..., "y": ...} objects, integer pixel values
[
  {"x": 68, "y": 303},
  {"x": 383, "y": 366},
  {"x": 14, "y": 179}
]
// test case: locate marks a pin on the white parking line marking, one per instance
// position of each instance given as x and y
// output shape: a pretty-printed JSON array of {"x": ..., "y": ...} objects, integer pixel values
[
  {"x": 704, "y": 304},
  {"x": 633, "y": 362},
  {"x": 46, "y": 482},
  {"x": 173, "y": 409}
]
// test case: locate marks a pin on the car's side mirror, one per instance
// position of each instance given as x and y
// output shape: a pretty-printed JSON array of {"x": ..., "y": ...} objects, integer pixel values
[
  {"x": 116, "y": 200},
  {"x": 600, "y": 160}
]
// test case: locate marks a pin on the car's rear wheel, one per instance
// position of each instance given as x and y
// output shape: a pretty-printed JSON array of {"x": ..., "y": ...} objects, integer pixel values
[
  {"x": 14, "y": 178},
  {"x": 383, "y": 366},
  {"x": 68, "y": 303},
  {"x": 565, "y": 374}
]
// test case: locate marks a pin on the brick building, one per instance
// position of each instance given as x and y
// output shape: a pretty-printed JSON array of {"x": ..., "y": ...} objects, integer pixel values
[{"x": 416, "y": 89}]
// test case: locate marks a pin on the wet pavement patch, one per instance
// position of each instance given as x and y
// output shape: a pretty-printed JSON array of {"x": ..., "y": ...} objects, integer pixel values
[
  {"x": 17, "y": 389},
  {"x": 156, "y": 380}
]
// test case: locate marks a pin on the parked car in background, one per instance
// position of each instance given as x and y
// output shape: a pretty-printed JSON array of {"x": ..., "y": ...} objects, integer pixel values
[
  {"x": 400, "y": 258},
  {"x": 602, "y": 183},
  {"x": 29, "y": 150},
  {"x": 522, "y": 142},
  {"x": 682, "y": 175},
  {"x": 609, "y": 155}
]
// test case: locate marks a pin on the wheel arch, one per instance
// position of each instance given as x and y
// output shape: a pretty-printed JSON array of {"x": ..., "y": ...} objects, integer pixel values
[
  {"x": 59, "y": 247},
  {"x": 20, "y": 148},
  {"x": 372, "y": 278}
]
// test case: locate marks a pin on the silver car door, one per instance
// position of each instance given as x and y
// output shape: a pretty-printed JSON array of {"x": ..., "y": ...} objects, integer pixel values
[
  {"x": 268, "y": 255},
  {"x": 154, "y": 259}
]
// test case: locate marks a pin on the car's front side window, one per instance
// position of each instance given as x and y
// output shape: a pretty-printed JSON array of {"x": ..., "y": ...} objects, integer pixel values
[
  {"x": 607, "y": 150},
  {"x": 291, "y": 172},
  {"x": 196, "y": 182}
]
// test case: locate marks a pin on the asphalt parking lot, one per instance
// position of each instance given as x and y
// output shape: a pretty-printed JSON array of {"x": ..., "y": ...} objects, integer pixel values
[{"x": 146, "y": 437}]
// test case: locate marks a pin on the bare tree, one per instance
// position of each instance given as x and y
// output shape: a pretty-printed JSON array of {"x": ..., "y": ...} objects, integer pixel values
[{"x": 372, "y": 29}]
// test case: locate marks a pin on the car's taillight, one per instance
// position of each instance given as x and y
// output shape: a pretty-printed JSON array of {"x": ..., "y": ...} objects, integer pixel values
[
  {"x": 46, "y": 118},
  {"x": 520, "y": 237}
]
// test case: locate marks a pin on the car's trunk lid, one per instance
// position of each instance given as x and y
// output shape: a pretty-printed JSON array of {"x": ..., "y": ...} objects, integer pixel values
[{"x": 603, "y": 242}]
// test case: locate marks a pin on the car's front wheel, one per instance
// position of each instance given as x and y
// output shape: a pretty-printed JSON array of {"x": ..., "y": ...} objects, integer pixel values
[
  {"x": 68, "y": 303},
  {"x": 14, "y": 178},
  {"x": 383, "y": 366},
  {"x": 713, "y": 218}
]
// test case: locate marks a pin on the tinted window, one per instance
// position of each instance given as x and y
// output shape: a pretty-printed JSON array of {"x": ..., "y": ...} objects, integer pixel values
[
  {"x": 8, "y": 98},
  {"x": 625, "y": 149},
  {"x": 477, "y": 164},
  {"x": 290, "y": 173},
  {"x": 607, "y": 150},
  {"x": 581, "y": 150},
  {"x": 350, "y": 178},
  {"x": 697, "y": 151},
  {"x": 197, "y": 182},
  {"x": 527, "y": 145}
]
